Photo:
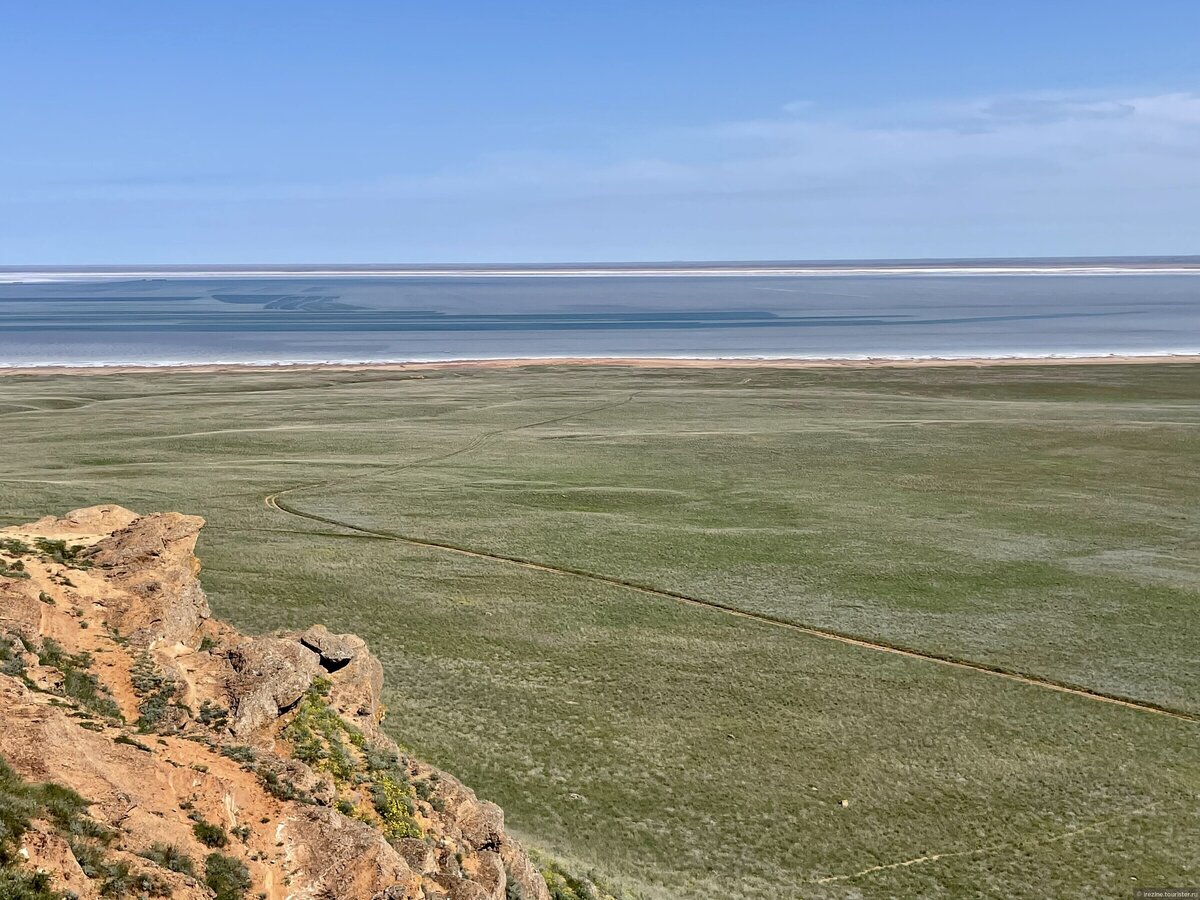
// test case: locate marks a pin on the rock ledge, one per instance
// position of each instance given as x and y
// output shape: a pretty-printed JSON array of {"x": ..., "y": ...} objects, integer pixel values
[{"x": 116, "y": 682}]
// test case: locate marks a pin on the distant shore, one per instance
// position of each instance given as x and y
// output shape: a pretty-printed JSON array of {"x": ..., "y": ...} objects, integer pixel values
[
  {"x": 1060, "y": 265},
  {"x": 619, "y": 362}
]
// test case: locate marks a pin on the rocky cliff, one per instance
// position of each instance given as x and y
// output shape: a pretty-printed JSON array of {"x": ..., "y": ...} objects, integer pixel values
[{"x": 147, "y": 749}]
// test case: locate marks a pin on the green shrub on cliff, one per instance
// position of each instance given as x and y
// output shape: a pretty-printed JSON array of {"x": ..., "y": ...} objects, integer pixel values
[
  {"x": 226, "y": 876},
  {"x": 170, "y": 857},
  {"x": 78, "y": 683},
  {"x": 11, "y": 662},
  {"x": 62, "y": 554},
  {"x": 13, "y": 547},
  {"x": 157, "y": 693},
  {"x": 21, "y": 803},
  {"x": 565, "y": 885},
  {"x": 321, "y": 738},
  {"x": 12, "y": 569},
  {"x": 208, "y": 834}
]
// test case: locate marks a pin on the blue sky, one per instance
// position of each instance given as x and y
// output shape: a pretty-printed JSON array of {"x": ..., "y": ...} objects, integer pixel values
[{"x": 413, "y": 132}]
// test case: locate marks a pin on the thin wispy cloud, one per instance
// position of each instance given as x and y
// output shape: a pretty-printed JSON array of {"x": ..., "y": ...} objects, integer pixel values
[
  {"x": 1063, "y": 134},
  {"x": 1114, "y": 142},
  {"x": 1019, "y": 174}
]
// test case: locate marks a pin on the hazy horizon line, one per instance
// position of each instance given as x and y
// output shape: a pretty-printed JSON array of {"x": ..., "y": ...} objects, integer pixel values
[
  {"x": 727, "y": 261},
  {"x": 999, "y": 265}
]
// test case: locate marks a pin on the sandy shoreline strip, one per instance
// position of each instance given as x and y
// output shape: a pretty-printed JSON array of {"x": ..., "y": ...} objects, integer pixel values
[{"x": 614, "y": 362}]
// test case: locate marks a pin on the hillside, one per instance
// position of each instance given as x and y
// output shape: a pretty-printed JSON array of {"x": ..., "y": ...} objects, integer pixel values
[{"x": 148, "y": 749}]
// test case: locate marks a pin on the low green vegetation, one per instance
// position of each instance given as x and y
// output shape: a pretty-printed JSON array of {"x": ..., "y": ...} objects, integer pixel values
[
  {"x": 565, "y": 885},
  {"x": 60, "y": 553},
  {"x": 12, "y": 569},
  {"x": 324, "y": 740},
  {"x": 16, "y": 884},
  {"x": 208, "y": 833},
  {"x": 14, "y": 547},
  {"x": 22, "y": 803},
  {"x": 171, "y": 858},
  {"x": 131, "y": 742},
  {"x": 226, "y": 876},
  {"x": 12, "y": 661},
  {"x": 321, "y": 738},
  {"x": 1038, "y": 519},
  {"x": 391, "y": 796},
  {"x": 158, "y": 707},
  {"x": 278, "y": 785},
  {"x": 78, "y": 683},
  {"x": 116, "y": 878},
  {"x": 213, "y": 716},
  {"x": 239, "y": 753}
]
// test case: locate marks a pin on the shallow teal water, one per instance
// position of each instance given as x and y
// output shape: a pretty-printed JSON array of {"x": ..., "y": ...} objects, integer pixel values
[{"x": 301, "y": 318}]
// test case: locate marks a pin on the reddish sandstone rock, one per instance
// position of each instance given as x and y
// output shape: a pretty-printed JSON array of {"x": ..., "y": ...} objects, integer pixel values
[{"x": 128, "y": 611}]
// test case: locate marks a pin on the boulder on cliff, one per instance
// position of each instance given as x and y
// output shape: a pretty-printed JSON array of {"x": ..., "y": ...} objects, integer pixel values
[{"x": 270, "y": 676}]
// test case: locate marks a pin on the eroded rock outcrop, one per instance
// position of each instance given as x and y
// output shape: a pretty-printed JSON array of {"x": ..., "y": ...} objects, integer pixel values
[
  {"x": 200, "y": 750},
  {"x": 151, "y": 564},
  {"x": 270, "y": 675}
]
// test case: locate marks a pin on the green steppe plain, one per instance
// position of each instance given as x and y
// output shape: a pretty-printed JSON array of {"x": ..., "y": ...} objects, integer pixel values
[{"x": 1040, "y": 519}]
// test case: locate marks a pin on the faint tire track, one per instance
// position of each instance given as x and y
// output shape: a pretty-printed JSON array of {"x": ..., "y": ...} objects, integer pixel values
[
  {"x": 274, "y": 501},
  {"x": 271, "y": 500},
  {"x": 990, "y": 848}
]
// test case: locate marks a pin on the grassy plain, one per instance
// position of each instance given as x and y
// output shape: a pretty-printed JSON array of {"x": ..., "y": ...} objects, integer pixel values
[{"x": 1041, "y": 519}]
